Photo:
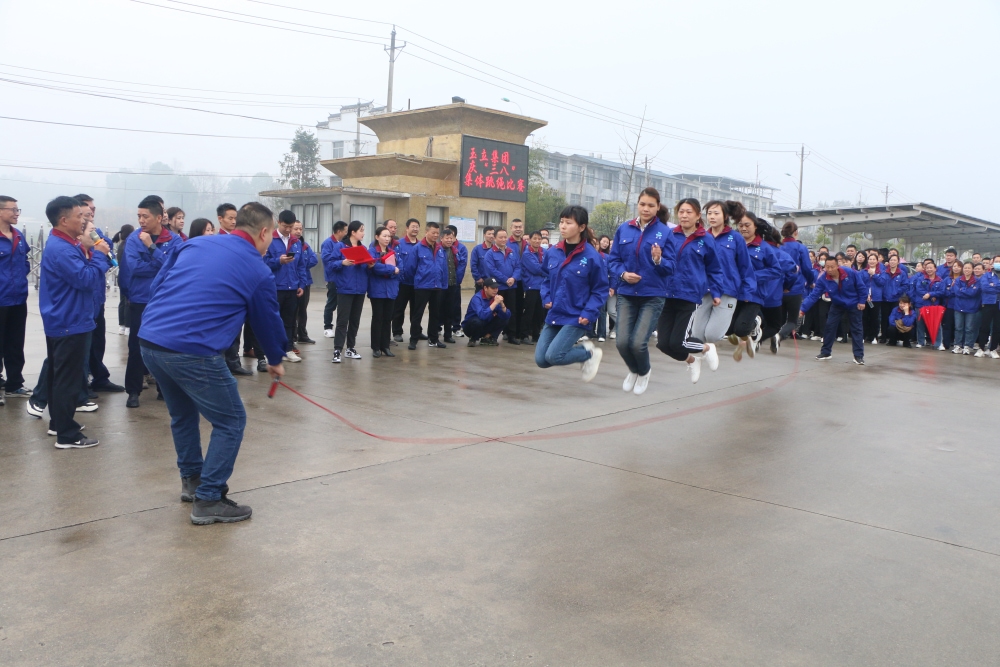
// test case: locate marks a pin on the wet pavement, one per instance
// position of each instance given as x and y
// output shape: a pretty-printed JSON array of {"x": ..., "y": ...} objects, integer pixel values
[{"x": 781, "y": 512}]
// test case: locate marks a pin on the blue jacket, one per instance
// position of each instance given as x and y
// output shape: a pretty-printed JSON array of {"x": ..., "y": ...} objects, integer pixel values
[
  {"x": 766, "y": 262},
  {"x": 233, "y": 284},
  {"x": 533, "y": 269},
  {"x": 737, "y": 274},
  {"x": 696, "y": 268},
  {"x": 15, "y": 266},
  {"x": 989, "y": 283},
  {"x": 326, "y": 250},
  {"x": 309, "y": 260},
  {"x": 68, "y": 280},
  {"x": 943, "y": 271},
  {"x": 290, "y": 276},
  {"x": 351, "y": 279},
  {"x": 875, "y": 282},
  {"x": 897, "y": 316},
  {"x": 383, "y": 279},
  {"x": 968, "y": 295},
  {"x": 476, "y": 260},
  {"x": 893, "y": 285},
  {"x": 144, "y": 263},
  {"x": 800, "y": 256},
  {"x": 631, "y": 252},
  {"x": 405, "y": 255},
  {"x": 427, "y": 266},
  {"x": 920, "y": 286},
  {"x": 502, "y": 265},
  {"x": 847, "y": 292},
  {"x": 479, "y": 307},
  {"x": 576, "y": 286},
  {"x": 461, "y": 254},
  {"x": 776, "y": 288}
]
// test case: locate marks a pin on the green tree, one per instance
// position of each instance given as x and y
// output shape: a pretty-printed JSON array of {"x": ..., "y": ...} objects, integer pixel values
[
  {"x": 606, "y": 217},
  {"x": 300, "y": 167},
  {"x": 543, "y": 207}
]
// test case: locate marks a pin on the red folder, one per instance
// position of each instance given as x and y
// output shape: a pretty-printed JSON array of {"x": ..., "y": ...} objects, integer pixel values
[{"x": 358, "y": 254}]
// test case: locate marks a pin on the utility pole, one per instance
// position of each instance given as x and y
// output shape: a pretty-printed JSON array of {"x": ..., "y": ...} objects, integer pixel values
[
  {"x": 357, "y": 131},
  {"x": 886, "y": 192},
  {"x": 647, "y": 171},
  {"x": 392, "y": 65},
  {"x": 802, "y": 165}
]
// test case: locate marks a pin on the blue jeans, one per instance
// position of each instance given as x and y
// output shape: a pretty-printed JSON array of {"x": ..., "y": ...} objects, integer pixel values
[
  {"x": 637, "y": 317},
  {"x": 924, "y": 336},
  {"x": 557, "y": 346},
  {"x": 193, "y": 386},
  {"x": 966, "y": 329},
  {"x": 855, "y": 317}
]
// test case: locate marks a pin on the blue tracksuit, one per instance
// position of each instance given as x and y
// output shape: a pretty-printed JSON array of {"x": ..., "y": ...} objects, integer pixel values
[
  {"x": 476, "y": 260},
  {"x": 968, "y": 295},
  {"x": 989, "y": 283},
  {"x": 101, "y": 292},
  {"x": 631, "y": 252},
  {"x": 576, "y": 286},
  {"x": 15, "y": 266},
  {"x": 533, "y": 269},
  {"x": 383, "y": 281},
  {"x": 776, "y": 288},
  {"x": 326, "y": 251},
  {"x": 309, "y": 260},
  {"x": 68, "y": 281},
  {"x": 502, "y": 265},
  {"x": 921, "y": 285},
  {"x": 875, "y": 282},
  {"x": 907, "y": 320},
  {"x": 290, "y": 276},
  {"x": 696, "y": 268},
  {"x": 479, "y": 308},
  {"x": 144, "y": 263},
  {"x": 800, "y": 256},
  {"x": 737, "y": 273},
  {"x": 847, "y": 292},
  {"x": 405, "y": 255},
  {"x": 766, "y": 263},
  {"x": 428, "y": 267},
  {"x": 893, "y": 284},
  {"x": 233, "y": 282},
  {"x": 351, "y": 279}
]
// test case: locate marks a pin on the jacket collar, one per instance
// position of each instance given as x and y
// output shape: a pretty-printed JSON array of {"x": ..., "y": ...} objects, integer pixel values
[
  {"x": 755, "y": 241},
  {"x": 58, "y": 233},
  {"x": 506, "y": 250},
  {"x": 243, "y": 235}
]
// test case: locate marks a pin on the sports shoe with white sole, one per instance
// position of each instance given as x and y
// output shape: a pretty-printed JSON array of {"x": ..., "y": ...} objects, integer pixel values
[
  {"x": 89, "y": 406},
  {"x": 459, "y": 334},
  {"x": 711, "y": 356},
  {"x": 336, "y": 357},
  {"x": 629, "y": 383},
  {"x": 823, "y": 357},
  {"x": 641, "y": 383},
  {"x": 33, "y": 409},
  {"x": 329, "y": 333},
  {"x": 52, "y": 431},
  {"x": 614, "y": 335},
  {"x": 600, "y": 339},
  {"x": 979, "y": 353},
  {"x": 738, "y": 352},
  {"x": 966, "y": 350},
  {"x": 859, "y": 361},
  {"x": 994, "y": 354},
  {"x": 83, "y": 443},
  {"x": 122, "y": 331},
  {"x": 292, "y": 357},
  {"x": 591, "y": 365},
  {"x": 751, "y": 347},
  {"x": 941, "y": 347},
  {"x": 351, "y": 353},
  {"x": 695, "y": 369}
]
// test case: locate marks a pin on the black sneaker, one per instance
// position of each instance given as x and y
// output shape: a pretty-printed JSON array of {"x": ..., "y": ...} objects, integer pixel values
[
  {"x": 823, "y": 357},
  {"x": 513, "y": 341},
  {"x": 336, "y": 357},
  {"x": 436, "y": 343},
  {"x": 224, "y": 510},
  {"x": 451, "y": 340},
  {"x": 422, "y": 337},
  {"x": 527, "y": 341},
  {"x": 82, "y": 443},
  {"x": 397, "y": 338},
  {"x": 307, "y": 340},
  {"x": 472, "y": 342},
  {"x": 188, "y": 486},
  {"x": 412, "y": 345},
  {"x": 376, "y": 354},
  {"x": 237, "y": 369},
  {"x": 33, "y": 409},
  {"x": 387, "y": 353},
  {"x": 133, "y": 401},
  {"x": 109, "y": 387},
  {"x": 261, "y": 366},
  {"x": 859, "y": 361}
]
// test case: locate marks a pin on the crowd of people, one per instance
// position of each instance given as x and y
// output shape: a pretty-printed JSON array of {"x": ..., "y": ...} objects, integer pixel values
[{"x": 692, "y": 278}]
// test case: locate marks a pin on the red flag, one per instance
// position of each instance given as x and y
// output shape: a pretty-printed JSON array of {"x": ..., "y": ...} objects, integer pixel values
[{"x": 932, "y": 316}]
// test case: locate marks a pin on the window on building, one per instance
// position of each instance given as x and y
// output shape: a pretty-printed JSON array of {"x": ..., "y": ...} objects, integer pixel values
[
  {"x": 298, "y": 210},
  {"x": 576, "y": 173},
  {"x": 574, "y": 200},
  {"x": 655, "y": 183},
  {"x": 437, "y": 214},
  {"x": 325, "y": 220},
  {"x": 554, "y": 169},
  {"x": 310, "y": 224},
  {"x": 591, "y": 176},
  {"x": 338, "y": 150},
  {"x": 588, "y": 203},
  {"x": 366, "y": 216},
  {"x": 704, "y": 195},
  {"x": 609, "y": 180},
  {"x": 668, "y": 190},
  {"x": 489, "y": 219}
]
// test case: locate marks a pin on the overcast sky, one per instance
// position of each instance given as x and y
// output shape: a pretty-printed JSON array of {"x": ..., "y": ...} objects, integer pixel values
[{"x": 903, "y": 93}]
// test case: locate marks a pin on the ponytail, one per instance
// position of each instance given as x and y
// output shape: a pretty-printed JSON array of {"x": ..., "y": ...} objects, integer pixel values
[{"x": 663, "y": 213}]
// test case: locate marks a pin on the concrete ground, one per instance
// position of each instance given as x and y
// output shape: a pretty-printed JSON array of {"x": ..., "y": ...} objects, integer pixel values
[{"x": 781, "y": 512}]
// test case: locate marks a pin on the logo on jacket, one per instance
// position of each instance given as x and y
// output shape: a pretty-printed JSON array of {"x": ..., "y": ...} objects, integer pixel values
[
  {"x": 659, "y": 235},
  {"x": 583, "y": 261}
]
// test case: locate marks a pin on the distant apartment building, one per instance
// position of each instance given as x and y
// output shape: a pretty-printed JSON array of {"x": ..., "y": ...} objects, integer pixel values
[{"x": 591, "y": 180}]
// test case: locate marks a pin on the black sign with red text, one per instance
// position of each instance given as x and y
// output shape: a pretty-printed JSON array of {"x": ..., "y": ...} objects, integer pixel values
[{"x": 494, "y": 169}]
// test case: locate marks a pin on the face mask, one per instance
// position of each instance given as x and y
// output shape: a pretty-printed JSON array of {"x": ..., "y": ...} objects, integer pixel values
[{"x": 545, "y": 245}]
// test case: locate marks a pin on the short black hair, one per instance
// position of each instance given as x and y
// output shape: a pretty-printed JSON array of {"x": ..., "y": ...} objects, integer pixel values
[
  {"x": 951, "y": 250},
  {"x": 83, "y": 199},
  {"x": 829, "y": 257},
  {"x": 517, "y": 220},
  {"x": 904, "y": 298},
  {"x": 453, "y": 229},
  {"x": 488, "y": 228},
  {"x": 337, "y": 226},
  {"x": 221, "y": 209},
  {"x": 254, "y": 216},
  {"x": 893, "y": 250},
  {"x": 448, "y": 231},
  {"x": 577, "y": 214},
  {"x": 431, "y": 225},
  {"x": 156, "y": 198},
  {"x": 534, "y": 234},
  {"x": 151, "y": 205},
  {"x": 841, "y": 255},
  {"x": 851, "y": 245},
  {"x": 4, "y": 199},
  {"x": 286, "y": 217},
  {"x": 58, "y": 207},
  {"x": 411, "y": 221}
]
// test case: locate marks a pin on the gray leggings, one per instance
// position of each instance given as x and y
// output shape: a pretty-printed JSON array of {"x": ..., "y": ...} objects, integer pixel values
[{"x": 712, "y": 322}]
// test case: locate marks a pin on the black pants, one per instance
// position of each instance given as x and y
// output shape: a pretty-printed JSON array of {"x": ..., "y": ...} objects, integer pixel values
[
  {"x": 476, "y": 328},
  {"x": 405, "y": 297},
  {"x": 430, "y": 299},
  {"x": 331, "y": 305},
  {"x": 822, "y": 309},
  {"x": 771, "y": 321},
  {"x": 885, "y": 309},
  {"x": 67, "y": 355},
  {"x": 349, "y": 307},
  {"x": 518, "y": 310},
  {"x": 135, "y": 369},
  {"x": 673, "y": 329},
  {"x": 908, "y": 338},
  {"x": 948, "y": 328},
  {"x": 382, "y": 310},
  {"x": 122, "y": 310},
  {"x": 12, "y": 324},
  {"x": 870, "y": 321},
  {"x": 989, "y": 321},
  {"x": 98, "y": 343},
  {"x": 534, "y": 313},
  {"x": 790, "y": 305},
  {"x": 302, "y": 315},
  {"x": 511, "y": 297},
  {"x": 452, "y": 310},
  {"x": 745, "y": 318},
  {"x": 288, "y": 305}
]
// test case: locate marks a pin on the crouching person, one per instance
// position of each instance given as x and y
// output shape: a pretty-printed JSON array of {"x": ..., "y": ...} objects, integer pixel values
[
  {"x": 902, "y": 321},
  {"x": 486, "y": 316},
  {"x": 182, "y": 342}
]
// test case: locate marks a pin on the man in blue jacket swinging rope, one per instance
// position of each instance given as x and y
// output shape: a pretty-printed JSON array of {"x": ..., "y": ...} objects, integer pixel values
[
  {"x": 183, "y": 342},
  {"x": 848, "y": 294}
]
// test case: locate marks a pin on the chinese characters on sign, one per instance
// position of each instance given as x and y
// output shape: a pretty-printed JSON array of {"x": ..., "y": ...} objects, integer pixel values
[{"x": 494, "y": 169}]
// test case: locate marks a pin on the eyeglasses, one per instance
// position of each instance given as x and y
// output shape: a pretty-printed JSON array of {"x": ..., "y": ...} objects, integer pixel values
[{"x": 17, "y": 211}]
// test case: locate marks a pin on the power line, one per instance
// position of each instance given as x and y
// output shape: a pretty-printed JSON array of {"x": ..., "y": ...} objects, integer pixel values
[
  {"x": 131, "y": 173},
  {"x": 113, "y": 187}
]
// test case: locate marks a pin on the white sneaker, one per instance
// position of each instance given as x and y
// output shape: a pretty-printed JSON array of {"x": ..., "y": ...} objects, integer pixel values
[
  {"x": 459, "y": 334},
  {"x": 941, "y": 347},
  {"x": 815, "y": 338},
  {"x": 994, "y": 354},
  {"x": 329, "y": 333},
  {"x": 614, "y": 335},
  {"x": 89, "y": 406},
  {"x": 656, "y": 334},
  {"x": 840, "y": 339},
  {"x": 980, "y": 353},
  {"x": 711, "y": 355},
  {"x": 127, "y": 330},
  {"x": 351, "y": 353},
  {"x": 591, "y": 365},
  {"x": 919, "y": 346},
  {"x": 122, "y": 331},
  {"x": 629, "y": 383},
  {"x": 582, "y": 339},
  {"x": 956, "y": 350},
  {"x": 695, "y": 369},
  {"x": 966, "y": 350},
  {"x": 336, "y": 357},
  {"x": 292, "y": 357},
  {"x": 874, "y": 341},
  {"x": 641, "y": 383},
  {"x": 600, "y": 339},
  {"x": 757, "y": 333}
]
